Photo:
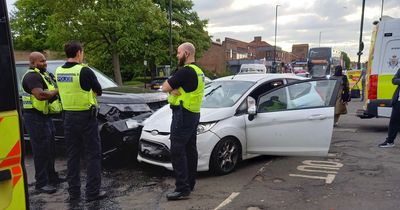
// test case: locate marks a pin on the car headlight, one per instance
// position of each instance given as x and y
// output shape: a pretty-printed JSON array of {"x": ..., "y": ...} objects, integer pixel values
[
  {"x": 204, "y": 127},
  {"x": 132, "y": 123}
]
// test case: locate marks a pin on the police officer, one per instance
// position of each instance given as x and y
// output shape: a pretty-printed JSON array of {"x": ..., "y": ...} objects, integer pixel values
[
  {"x": 39, "y": 102},
  {"x": 78, "y": 87},
  {"x": 186, "y": 90}
]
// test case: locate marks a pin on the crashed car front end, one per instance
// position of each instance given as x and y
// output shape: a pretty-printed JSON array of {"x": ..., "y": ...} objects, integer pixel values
[{"x": 120, "y": 117}]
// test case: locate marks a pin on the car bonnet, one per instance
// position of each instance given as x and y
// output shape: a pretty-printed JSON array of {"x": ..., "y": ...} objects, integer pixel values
[{"x": 161, "y": 119}]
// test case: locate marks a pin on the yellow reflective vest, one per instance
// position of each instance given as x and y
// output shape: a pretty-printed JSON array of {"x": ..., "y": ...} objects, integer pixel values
[
  {"x": 72, "y": 95},
  {"x": 29, "y": 101},
  {"x": 192, "y": 100}
]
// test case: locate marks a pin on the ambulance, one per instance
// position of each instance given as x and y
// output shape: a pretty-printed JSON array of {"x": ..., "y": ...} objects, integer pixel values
[
  {"x": 13, "y": 186},
  {"x": 383, "y": 63}
]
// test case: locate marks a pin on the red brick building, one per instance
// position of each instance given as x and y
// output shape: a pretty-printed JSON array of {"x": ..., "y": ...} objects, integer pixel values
[
  {"x": 221, "y": 56},
  {"x": 214, "y": 58},
  {"x": 301, "y": 51}
]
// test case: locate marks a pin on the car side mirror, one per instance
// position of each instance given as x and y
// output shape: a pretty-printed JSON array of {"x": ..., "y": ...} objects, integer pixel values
[{"x": 251, "y": 107}]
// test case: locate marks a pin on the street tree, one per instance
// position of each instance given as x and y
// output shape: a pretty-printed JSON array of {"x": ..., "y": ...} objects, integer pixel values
[
  {"x": 118, "y": 35},
  {"x": 109, "y": 29},
  {"x": 346, "y": 60},
  {"x": 30, "y": 23}
]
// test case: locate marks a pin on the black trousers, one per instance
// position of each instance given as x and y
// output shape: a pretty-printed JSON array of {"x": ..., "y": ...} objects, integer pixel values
[
  {"x": 41, "y": 131},
  {"x": 81, "y": 134},
  {"x": 184, "y": 155},
  {"x": 394, "y": 123}
]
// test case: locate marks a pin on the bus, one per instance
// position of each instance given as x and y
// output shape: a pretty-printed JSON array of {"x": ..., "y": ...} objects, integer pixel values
[{"x": 321, "y": 61}]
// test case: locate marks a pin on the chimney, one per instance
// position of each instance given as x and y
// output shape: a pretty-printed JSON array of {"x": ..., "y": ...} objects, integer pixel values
[
  {"x": 218, "y": 40},
  {"x": 257, "y": 39}
]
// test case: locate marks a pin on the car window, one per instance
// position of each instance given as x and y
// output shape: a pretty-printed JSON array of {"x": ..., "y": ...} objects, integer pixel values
[
  {"x": 220, "y": 94},
  {"x": 263, "y": 88},
  {"x": 308, "y": 94}
]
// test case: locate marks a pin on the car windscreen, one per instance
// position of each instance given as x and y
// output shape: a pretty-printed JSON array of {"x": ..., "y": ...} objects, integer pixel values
[
  {"x": 219, "y": 94},
  {"x": 104, "y": 81}
]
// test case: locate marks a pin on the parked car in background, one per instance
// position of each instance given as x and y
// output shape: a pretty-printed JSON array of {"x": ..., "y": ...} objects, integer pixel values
[
  {"x": 253, "y": 68},
  {"x": 121, "y": 110},
  {"x": 243, "y": 116},
  {"x": 156, "y": 83}
]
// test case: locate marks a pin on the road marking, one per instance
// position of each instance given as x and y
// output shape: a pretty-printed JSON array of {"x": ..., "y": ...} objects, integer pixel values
[
  {"x": 353, "y": 130},
  {"x": 328, "y": 179},
  {"x": 228, "y": 200},
  {"x": 316, "y": 166}
]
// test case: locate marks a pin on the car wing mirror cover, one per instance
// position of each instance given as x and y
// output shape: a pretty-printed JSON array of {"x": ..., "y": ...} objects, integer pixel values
[{"x": 251, "y": 107}]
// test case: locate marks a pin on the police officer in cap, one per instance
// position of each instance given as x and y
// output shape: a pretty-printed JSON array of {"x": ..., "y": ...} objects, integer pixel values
[{"x": 78, "y": 88}]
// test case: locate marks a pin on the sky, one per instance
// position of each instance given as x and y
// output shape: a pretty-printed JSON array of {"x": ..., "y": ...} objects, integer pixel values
[{"x": 335, "y": 22}]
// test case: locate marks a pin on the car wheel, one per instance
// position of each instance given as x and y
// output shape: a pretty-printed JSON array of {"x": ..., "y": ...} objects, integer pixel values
[{"x": 225, "y": 156}]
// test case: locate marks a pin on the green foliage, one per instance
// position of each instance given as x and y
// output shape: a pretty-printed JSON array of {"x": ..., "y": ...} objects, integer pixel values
[
  {"x": 30, "y": 23},
  {"x": 113, "y": 31},
  {"x": 346, "y": 60}
]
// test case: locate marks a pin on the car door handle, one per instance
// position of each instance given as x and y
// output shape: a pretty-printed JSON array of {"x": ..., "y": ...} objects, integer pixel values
[
  {"x": 5, "y": 175},
  {"x": 317, "y": 117}
]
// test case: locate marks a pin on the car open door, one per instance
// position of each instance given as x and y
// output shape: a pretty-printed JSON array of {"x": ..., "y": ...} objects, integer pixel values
[{"x": 295, "y": 119}]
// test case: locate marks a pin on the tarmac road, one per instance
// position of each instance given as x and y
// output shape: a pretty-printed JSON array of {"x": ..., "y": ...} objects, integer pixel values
[{"x": 356, "y": 175}]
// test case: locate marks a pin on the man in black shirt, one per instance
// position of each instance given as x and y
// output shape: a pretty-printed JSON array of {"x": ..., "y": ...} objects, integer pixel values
[
  {"x": 186, "y": 90},
  {"x": 38, "y": 122},
  {"x": 78, "y": 87}
]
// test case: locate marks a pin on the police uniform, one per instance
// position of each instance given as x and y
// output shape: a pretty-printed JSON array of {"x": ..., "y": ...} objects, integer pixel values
[
  {"x": 40, "y": 127},
  {"x": 77, "y": 86},
  {"x": 185, "y": 118}
]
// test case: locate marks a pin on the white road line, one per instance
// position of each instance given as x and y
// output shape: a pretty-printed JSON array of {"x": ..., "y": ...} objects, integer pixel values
[
  {"x": 353, "y": 130},
  {"x": 228, "y": 200}
]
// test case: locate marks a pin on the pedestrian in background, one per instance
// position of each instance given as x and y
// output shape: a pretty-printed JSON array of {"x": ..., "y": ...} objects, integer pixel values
[
  {"x": 186, "y": 90},
  {"x": 343, "y": 96},
  {"x": 40, "y": 101},
  {"x": 78, "y": 87},
  {"x": 394, "y": 122}
]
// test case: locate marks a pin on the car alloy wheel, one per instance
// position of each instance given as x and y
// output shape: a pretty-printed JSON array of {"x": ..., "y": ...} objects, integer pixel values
[{"x": 225, "y": 156}]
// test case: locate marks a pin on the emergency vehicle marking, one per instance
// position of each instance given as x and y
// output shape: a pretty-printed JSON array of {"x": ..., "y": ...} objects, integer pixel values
[
  {"x": 12, "y": 161},
  {"x": 64, "y": 78}
]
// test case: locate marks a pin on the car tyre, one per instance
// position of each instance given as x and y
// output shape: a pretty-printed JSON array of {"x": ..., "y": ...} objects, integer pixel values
[{"x": 225, "y": 156}]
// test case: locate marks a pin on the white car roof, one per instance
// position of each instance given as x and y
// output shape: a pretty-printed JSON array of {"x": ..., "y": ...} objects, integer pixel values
[{"x": 259, "y": 77}]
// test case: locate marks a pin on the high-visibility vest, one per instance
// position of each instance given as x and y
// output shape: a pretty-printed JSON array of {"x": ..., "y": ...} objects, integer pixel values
[
  {"x": 191, "y": 100},
  {"x": 29, "y": 101},
  {"x": 73, "y": 97}
]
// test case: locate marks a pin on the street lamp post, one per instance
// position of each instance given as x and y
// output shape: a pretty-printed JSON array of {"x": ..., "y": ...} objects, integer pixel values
[
  {"x": 276, "y": 26},
  {"x": 361, "y": 44}
]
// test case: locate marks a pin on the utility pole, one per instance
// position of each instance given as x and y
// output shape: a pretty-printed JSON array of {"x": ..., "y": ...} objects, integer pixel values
[
  {"x": 319, "y": 42},
  {"x": 276, "y": 26},
  {"x": 382, "y": 8},
  {"x": 361, "y": 44}
]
